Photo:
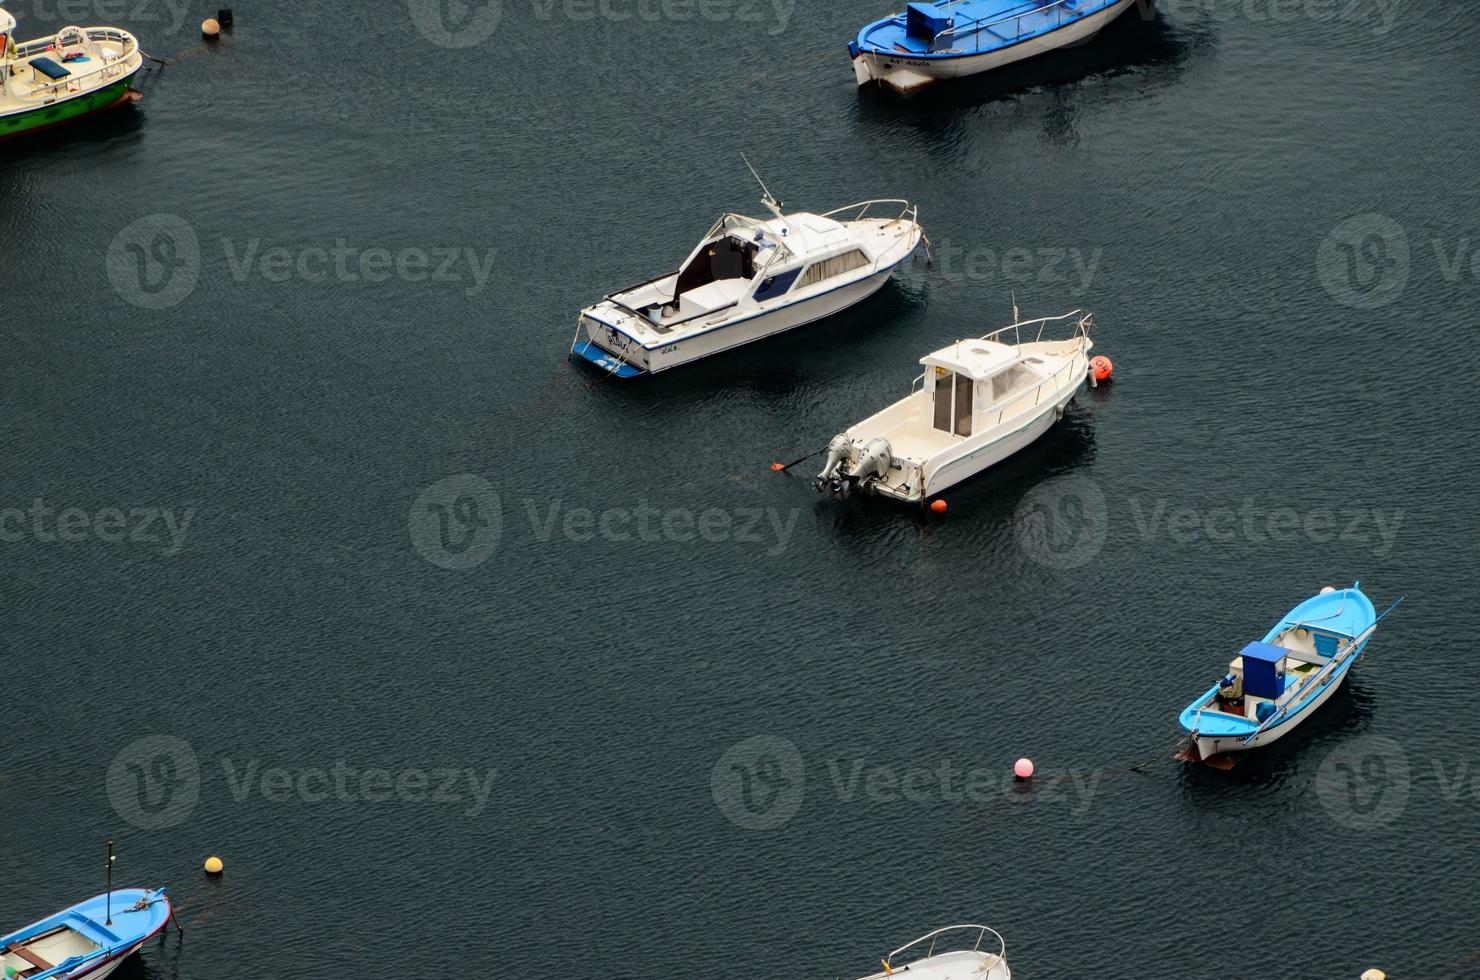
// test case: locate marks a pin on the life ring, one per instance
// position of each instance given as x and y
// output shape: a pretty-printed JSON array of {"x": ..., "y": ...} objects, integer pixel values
[{"x": 73, "y": 38}]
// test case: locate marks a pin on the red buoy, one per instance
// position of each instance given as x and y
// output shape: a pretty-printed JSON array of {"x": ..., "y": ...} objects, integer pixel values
[
  {"x": 1102, "y": 367},
  {"x": 938, "y": 507},
  {"x": 777, "y": 467}
]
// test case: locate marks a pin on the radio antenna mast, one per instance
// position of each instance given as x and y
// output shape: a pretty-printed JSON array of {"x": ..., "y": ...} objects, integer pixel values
[{"x": 772, "y": 205}]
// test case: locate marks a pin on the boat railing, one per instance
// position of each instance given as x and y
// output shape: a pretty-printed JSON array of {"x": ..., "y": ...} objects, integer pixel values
[
  {"x": 906, "y": 209},
  {"x": 934, "y": 938},
  {"x": 976, "y": 26},
  {"x": 1082, "y": 328},
  {"x": 104, "y": 70}
]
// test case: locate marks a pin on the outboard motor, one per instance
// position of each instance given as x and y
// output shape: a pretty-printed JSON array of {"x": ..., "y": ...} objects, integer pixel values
[
  {"x": 837, "y": 451},
  {"x": 874, "y": 462}
]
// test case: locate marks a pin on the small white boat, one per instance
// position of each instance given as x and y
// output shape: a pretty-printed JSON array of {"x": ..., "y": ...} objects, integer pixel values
[
  {"x": 748, "y": 279},
  {"x": 931, "y": 42},
  {"x": 951, "y": 953},
  {"x": 978, "y": 402}
]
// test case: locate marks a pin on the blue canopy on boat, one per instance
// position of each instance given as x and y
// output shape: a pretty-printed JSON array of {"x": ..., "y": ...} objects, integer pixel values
[
  {"x": 49, "y": 68},
  {"x": 1261, "y": 669}
]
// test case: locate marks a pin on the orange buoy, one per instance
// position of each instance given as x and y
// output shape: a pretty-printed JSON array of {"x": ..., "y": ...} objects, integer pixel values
[
  {"x": 1102, "y": 367},
  {"x": 938, "y": 507},
  {"x": 777, "y": 467}
]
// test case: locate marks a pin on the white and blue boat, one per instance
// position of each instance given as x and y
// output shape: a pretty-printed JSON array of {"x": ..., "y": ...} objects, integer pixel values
[
  {"x": 746, "y": 280},
  {"x": 89, "y": 939},
  {"x": 932, "y": 42},
  {"x": 1278, "y": 682}
]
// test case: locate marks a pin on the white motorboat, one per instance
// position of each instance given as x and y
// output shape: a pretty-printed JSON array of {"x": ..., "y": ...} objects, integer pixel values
[
  {"x": 749, "y": 279},
  {"x": 978, "y": 402},
  {"x": 951, "y": 953}
]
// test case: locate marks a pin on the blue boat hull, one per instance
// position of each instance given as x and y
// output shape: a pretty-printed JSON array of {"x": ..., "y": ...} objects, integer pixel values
[{"x": 90, "y": 939}]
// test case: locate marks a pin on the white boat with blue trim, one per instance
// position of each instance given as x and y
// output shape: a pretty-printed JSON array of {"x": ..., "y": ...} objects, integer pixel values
[
  {"x": 1276, "y": 683},
  {"x": 931, "y": 42},
  {"x": 978, "y": 402},
  {"x": 91, "y": 939},
  {"x": 964, "y": 952},
  {"x": 749, "y": 279}
]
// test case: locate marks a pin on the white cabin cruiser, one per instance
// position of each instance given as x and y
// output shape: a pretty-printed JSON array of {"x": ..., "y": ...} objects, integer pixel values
[
  {"x": 748, "y": 279},
  {"x": 951, "y": 953},
  {"x": 978, "y": 402}
]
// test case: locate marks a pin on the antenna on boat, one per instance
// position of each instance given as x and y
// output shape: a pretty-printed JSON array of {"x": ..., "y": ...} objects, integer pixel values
[
  {"x": 772, "y": 205},
  {"x": 1014, "y": 306},
  {"x": 108, "y": 915}
]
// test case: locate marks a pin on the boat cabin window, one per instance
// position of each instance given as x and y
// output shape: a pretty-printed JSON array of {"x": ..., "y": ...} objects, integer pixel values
[
  {"x": 1015, "y": 378},
  {"x": 835, "y": 266},
  {"x": 726, "y": 258},
  {"x": 953, "y": 404}
]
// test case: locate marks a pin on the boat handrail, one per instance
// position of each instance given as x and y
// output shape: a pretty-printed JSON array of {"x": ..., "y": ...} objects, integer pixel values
[
  {"x": 906, "y": 208},
  {"x": 981, "y": 933},
  {"x": 1086, "y": 321},
  {"x": 980, "y": 24}
]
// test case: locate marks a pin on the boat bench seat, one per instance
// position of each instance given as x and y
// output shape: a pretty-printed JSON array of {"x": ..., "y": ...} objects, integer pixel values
[
  {"x": 40, "y": 965},
  {"x": 49, "y": 68}
]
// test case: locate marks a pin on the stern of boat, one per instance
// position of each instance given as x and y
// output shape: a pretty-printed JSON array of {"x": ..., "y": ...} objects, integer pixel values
[{"x": 599, "y": 343}]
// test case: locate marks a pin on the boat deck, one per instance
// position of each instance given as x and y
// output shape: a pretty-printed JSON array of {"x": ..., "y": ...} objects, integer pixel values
[
  {"x": 42, "y": 74},
  {"x": 975, "y": 25}
]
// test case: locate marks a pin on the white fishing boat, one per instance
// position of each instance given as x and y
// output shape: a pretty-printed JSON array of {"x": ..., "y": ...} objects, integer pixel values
[
  {"x": 932, "y": 42},
  {"x": 978, "y": 402},
  {"x": 951, "y": 953},
  {"x": 748, "y": 279}
]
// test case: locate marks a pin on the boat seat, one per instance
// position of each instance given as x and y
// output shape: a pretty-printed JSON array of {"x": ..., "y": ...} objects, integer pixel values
[{"x": 30, "y": 957}]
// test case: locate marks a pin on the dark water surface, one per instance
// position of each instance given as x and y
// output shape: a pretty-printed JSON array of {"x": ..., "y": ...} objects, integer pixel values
[{"x": 774, "y": 748}]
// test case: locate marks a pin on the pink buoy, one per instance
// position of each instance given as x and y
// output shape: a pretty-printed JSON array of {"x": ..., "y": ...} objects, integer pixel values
[{"x": 1023, "y": 769}]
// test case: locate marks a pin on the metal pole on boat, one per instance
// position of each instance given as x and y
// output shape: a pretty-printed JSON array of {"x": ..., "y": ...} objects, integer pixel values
[{"x": 109, "y": 899}]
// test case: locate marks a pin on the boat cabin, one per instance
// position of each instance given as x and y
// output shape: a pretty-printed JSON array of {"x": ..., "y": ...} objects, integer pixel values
[{"x": 971, "y": 383}]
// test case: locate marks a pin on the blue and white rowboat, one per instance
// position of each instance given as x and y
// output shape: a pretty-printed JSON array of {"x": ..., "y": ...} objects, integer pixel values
[
  {"x": 1276, "y": 683},
  {"x": 931, "y": 42},
  {"x": 81, "y": 941}
]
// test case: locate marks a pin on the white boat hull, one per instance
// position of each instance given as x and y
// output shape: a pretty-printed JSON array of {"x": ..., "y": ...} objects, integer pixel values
[
  {"x": 1208, "y": 747},
  {"x": 906, "y": 74},
  {"x": 969, "y": 465},
  {"x": 727, "y": 336}
]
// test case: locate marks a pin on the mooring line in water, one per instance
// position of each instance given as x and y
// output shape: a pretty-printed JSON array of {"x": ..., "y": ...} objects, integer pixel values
[{"x": 779, "y": 468}]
